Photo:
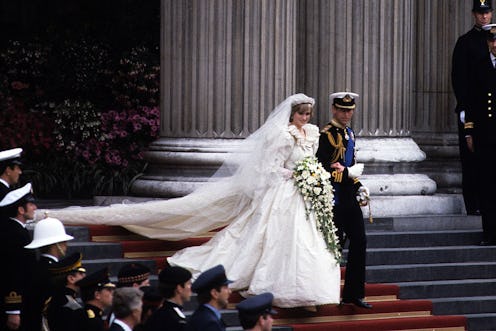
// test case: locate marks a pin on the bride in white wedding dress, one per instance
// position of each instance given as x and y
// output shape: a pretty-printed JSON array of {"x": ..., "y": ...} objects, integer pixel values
[{"x": 269, "y": 244}]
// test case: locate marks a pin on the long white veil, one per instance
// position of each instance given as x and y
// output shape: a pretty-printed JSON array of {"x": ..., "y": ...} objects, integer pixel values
[{"x": 250, "y": 171}]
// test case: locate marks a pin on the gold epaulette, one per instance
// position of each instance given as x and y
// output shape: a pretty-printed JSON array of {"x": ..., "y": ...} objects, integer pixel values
[
  {"x": 469, "y": 125},
  {"x": 13, "y": 298},
  {"x": 356, "y": 180},
  {"x": 91, "y": 313},
  {"x": 326, "y": 128}
]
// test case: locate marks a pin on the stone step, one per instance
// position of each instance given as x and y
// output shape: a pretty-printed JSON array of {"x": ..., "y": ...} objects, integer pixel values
[
  {"x": 447, "y": 288},
  {"x": 464, "y": 305},
  {"x": 92, "y": 250},
  {"x": 430, "y": 272},
  {"x": 456, "y": 221},
  {"x": 414, "y": 205},
  {"x": 430, "y": 255},
  {"x": 386, "y": 239},
  {"x": 485, "y": 321}
]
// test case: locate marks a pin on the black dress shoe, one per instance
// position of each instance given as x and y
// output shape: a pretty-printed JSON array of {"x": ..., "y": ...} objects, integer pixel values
[
  {"x": 475, "y": 212},
  {"x": 487, "y": 243},
  {"x": 357, "y": 302}
]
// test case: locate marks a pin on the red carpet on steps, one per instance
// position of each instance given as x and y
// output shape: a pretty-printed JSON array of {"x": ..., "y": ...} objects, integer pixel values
[
  {"x": 388, "y": 313},
  {"x": 408, "y": 323}
]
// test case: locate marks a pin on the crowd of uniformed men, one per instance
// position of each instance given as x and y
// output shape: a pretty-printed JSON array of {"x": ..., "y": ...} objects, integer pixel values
[{"x": 44, "y": 288}]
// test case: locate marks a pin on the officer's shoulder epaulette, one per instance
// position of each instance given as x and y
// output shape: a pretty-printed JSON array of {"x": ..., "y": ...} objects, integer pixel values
[
  {"x": 326, "y": 128},
  {"x": 91, "y": 313}
]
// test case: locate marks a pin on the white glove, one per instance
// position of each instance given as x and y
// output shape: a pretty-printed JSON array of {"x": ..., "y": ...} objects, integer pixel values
[
  {"x": 355, "y": 170},
  {"x": 363, "y": 195},
  {"x": 462, "y": 116}
]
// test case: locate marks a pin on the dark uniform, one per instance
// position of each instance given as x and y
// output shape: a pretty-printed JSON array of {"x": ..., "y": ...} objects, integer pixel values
[
  {"x": 65, "y": 313},
  {"x": 115, "y": 327},
  {"x": 168, "y": 317},
  {"x": 95, "y": 318},
  {"x": 95, "y": 282},
  {"x": 4, "y": 189},
  {"x": 469, "y": 50},
  {"x": 207, "y": 318},
  {"x": 40, "y": 290},
  {"x": 337, "y": 144},
  {"x": 481, "y": 125},
  {"x": 19, "y": 261}
]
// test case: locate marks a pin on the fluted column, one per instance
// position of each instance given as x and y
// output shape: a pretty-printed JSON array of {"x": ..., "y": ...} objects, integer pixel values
[
  {"x": 363, "y": 46},
  {"x": 438, "y": 24},
  {"x": 225, "y": 64}
]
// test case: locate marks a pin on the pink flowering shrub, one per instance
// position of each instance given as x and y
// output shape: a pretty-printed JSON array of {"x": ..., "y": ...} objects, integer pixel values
[{"x": 83, "y": 118}]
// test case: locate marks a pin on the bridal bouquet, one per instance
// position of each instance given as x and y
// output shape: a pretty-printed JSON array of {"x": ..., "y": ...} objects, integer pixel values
[{"x": 313, "y": 183}]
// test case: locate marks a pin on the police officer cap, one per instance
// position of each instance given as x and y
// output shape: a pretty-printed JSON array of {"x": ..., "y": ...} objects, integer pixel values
[
  {"x": 257, "y": 305},
  {"x": 151, "y": 296},
  {"x": 210, "y": 279},
  {"x": 344, "y": 100},
  {"x": 11, "y": 156},
  {"x": 482, "y": 6},
  {"x": 490, "y": 30},
  {"x": 68, "y": 264},
  {"x": 18, "y": 197},
  {"x": 174, "y": 275},
  {"x": 99, "y": 279},
  {"x": 132, "y": 273}
]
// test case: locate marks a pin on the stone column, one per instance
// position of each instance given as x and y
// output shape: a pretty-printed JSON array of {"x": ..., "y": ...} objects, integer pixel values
[
  {"x": 438, "y": 25},
  {"x": 369, "y": 47},
  {"x": 225, "y": 65},
  {"x": 363, "y": 46}
]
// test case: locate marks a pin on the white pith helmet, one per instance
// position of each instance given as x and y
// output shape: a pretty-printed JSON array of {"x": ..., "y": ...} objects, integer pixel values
[{"x": 48, "y": 231}]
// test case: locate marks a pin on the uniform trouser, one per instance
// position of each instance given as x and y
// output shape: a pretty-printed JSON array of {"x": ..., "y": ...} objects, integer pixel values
[
  {"x": 486, "y": 159},
  {"x": 349, "y": 221},
  {"x": 469, "y": 172}
]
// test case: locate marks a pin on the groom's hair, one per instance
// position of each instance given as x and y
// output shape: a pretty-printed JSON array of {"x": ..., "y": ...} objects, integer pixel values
[{"x": 204, "y": 296}]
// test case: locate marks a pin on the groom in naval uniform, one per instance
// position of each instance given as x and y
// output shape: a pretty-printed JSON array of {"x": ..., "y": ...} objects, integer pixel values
[{"x": 337, "y": 154}]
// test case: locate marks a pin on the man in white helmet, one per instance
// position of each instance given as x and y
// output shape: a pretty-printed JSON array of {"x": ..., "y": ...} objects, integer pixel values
[
  {"x": 16, "y": 208},
  {"x": 50, "y": 239}
]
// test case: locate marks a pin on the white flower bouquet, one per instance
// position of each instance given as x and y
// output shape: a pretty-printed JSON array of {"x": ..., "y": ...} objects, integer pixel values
[{"x": 313, "y": 183}]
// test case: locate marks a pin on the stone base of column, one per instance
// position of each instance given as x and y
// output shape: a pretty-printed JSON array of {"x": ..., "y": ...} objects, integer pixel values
[{"x": 178, "y": 166}]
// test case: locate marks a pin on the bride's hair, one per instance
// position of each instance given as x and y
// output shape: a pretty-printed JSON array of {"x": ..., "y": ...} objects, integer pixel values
[{"x": 297, "y": 108}]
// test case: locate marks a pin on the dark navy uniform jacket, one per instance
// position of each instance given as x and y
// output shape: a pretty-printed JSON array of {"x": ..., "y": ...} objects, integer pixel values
[
  {"x": 337, "y": 144},
  {"x": 18, "y": 263},
  {"x": 480, "y": 118},
  {"x": 470, "y": 49},
  {"x": 95, "y": 321},
  {"x": 3, "y": 190},
  {"x": 204, "y": 319},
  {"x": 39, "y": 291},
  {"x": 167, "y": 317},
  {"x": 65, "y": 313}
]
